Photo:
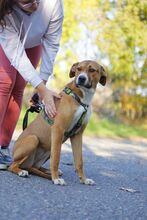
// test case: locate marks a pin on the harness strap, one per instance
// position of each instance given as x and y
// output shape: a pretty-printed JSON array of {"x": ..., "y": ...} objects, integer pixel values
[
  {"x": 68, "y": 91},
  {"x": 46, "y": 118},
  {"x": 73, "y": 131}
]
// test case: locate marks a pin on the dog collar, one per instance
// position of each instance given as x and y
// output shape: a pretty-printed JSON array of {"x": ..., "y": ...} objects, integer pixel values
[{"x": 68, "y": 91}]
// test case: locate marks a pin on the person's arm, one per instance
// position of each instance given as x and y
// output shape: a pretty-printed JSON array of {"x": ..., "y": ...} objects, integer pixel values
[
  {"x": 51, "y": 41},
  {"x": 9, "y": 41},
  {"x": 12, "y": 46}
]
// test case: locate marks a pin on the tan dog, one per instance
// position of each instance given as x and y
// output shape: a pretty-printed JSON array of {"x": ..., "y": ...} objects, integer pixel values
[{"x": 41, "y": 141}]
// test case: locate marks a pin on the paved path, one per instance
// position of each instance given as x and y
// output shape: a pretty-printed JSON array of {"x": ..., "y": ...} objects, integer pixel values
[{"x": 119, "y": 168}]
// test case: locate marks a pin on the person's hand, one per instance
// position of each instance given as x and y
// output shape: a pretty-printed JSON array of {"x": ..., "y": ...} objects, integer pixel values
[
  {"x": 49, "y": 103},
  {"x": 47, "y": 97},
  {"x": 35, "y": 91}
]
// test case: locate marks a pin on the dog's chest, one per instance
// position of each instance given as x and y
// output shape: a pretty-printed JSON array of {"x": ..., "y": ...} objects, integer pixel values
[{"x": 79, "y": 112}]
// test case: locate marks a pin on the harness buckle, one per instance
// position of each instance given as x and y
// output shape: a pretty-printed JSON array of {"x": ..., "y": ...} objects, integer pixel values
[{"x": 67, "y": 90}]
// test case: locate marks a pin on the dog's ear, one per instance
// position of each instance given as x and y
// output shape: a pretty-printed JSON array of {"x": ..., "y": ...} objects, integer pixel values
[
  {"x": 73, "y": 70},
  {"x": 103, "y": 77}
]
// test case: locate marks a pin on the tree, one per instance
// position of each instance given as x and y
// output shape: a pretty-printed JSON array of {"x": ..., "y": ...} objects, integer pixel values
[
  {"x": 123, "y": 40},
  {"x": 118, "y": 31}
]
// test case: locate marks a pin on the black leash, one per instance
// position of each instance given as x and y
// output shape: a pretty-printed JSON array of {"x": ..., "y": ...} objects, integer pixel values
[{"x": 35, "y": 107}]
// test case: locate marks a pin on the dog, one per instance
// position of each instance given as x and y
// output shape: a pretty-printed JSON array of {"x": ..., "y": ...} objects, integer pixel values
[{"x": 43, "y": 138}]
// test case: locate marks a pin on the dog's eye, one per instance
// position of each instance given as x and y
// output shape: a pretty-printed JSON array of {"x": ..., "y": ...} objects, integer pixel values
[
  {"x": 92, "y": 70},
  {"x": 79, "y": 68}
]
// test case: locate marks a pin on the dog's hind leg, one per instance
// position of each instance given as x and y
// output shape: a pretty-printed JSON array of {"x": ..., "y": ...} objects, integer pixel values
[
  {"x": 48, "y": 171},
  {"x": 39, "y": 172},
  {"x": 44, "y": 170},
  {"x": 23, "y": 155},
  {"x": 15, "y": 168},
  {"x": 25, "y": 146}
]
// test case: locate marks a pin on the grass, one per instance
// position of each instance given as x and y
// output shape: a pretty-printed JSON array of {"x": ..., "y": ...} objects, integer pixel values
[
  {"x": 105, "y": 127},
  {"x": 102, "y": 127}
]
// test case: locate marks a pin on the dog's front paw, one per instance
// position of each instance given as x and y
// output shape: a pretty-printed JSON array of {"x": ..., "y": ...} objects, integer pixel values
[
  {"x": 87, "y": 181},
  {"x": 59, "y": 181},
  {"x": 23, "y": 173}
]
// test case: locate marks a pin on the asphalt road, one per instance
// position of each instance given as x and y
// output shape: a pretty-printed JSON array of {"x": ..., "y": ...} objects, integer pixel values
[{"x": 119, "y": 168}]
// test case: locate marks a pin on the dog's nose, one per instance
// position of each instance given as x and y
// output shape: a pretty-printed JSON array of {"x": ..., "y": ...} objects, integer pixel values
[{"x": 81, "y": 79}]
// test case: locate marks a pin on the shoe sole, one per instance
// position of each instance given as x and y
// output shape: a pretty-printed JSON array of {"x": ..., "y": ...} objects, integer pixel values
[{"x": 3, "y": 167}]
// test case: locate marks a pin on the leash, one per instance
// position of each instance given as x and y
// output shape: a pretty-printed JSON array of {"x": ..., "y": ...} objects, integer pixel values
[{"x": 35, "y": 107}]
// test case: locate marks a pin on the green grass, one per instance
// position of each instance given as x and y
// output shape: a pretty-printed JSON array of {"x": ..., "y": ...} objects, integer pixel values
[
  {"x": 105, "y": 127},
  {"x": 102, "y": 127}
]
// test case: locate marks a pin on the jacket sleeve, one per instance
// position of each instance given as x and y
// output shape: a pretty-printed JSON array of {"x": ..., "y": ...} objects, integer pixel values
[
  {"x": 15, "y": 52},
  {"x": 51, "y": 41}
]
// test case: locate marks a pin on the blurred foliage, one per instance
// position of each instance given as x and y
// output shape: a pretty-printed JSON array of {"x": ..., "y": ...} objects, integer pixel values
[
  {"x": 105, "y": 127},
  {"x": 117, "y": 32}
]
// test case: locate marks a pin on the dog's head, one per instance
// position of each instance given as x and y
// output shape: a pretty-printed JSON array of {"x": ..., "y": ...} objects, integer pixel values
[{"x": 87, "y": 74}]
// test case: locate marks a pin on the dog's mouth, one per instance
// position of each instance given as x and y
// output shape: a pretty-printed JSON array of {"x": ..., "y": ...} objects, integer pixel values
[
  {"x": 87, "y": 86},
  {"x": 83, "y": 81}
]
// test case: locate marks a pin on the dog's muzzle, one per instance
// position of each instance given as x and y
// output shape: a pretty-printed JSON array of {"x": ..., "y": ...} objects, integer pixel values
[{"x": 82, "y": 80}]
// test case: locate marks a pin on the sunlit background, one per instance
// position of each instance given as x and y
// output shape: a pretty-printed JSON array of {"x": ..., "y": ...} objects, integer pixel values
[{"x": 113, "y": 33}]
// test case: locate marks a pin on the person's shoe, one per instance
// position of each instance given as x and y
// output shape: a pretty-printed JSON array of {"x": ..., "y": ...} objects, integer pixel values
[{"x": 5, "y": 159}]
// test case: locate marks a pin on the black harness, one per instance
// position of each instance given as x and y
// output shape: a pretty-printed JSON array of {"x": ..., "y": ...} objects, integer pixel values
[{"x": 39, "y": 107}]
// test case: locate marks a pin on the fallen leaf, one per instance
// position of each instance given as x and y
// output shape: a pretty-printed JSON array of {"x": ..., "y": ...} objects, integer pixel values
[
  {"x": 129, "y": 190},
  {"x": 67, "y": 163}
]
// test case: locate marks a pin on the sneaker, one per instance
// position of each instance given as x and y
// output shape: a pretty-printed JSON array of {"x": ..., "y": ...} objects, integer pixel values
[{"x": 5, "y": 159}]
